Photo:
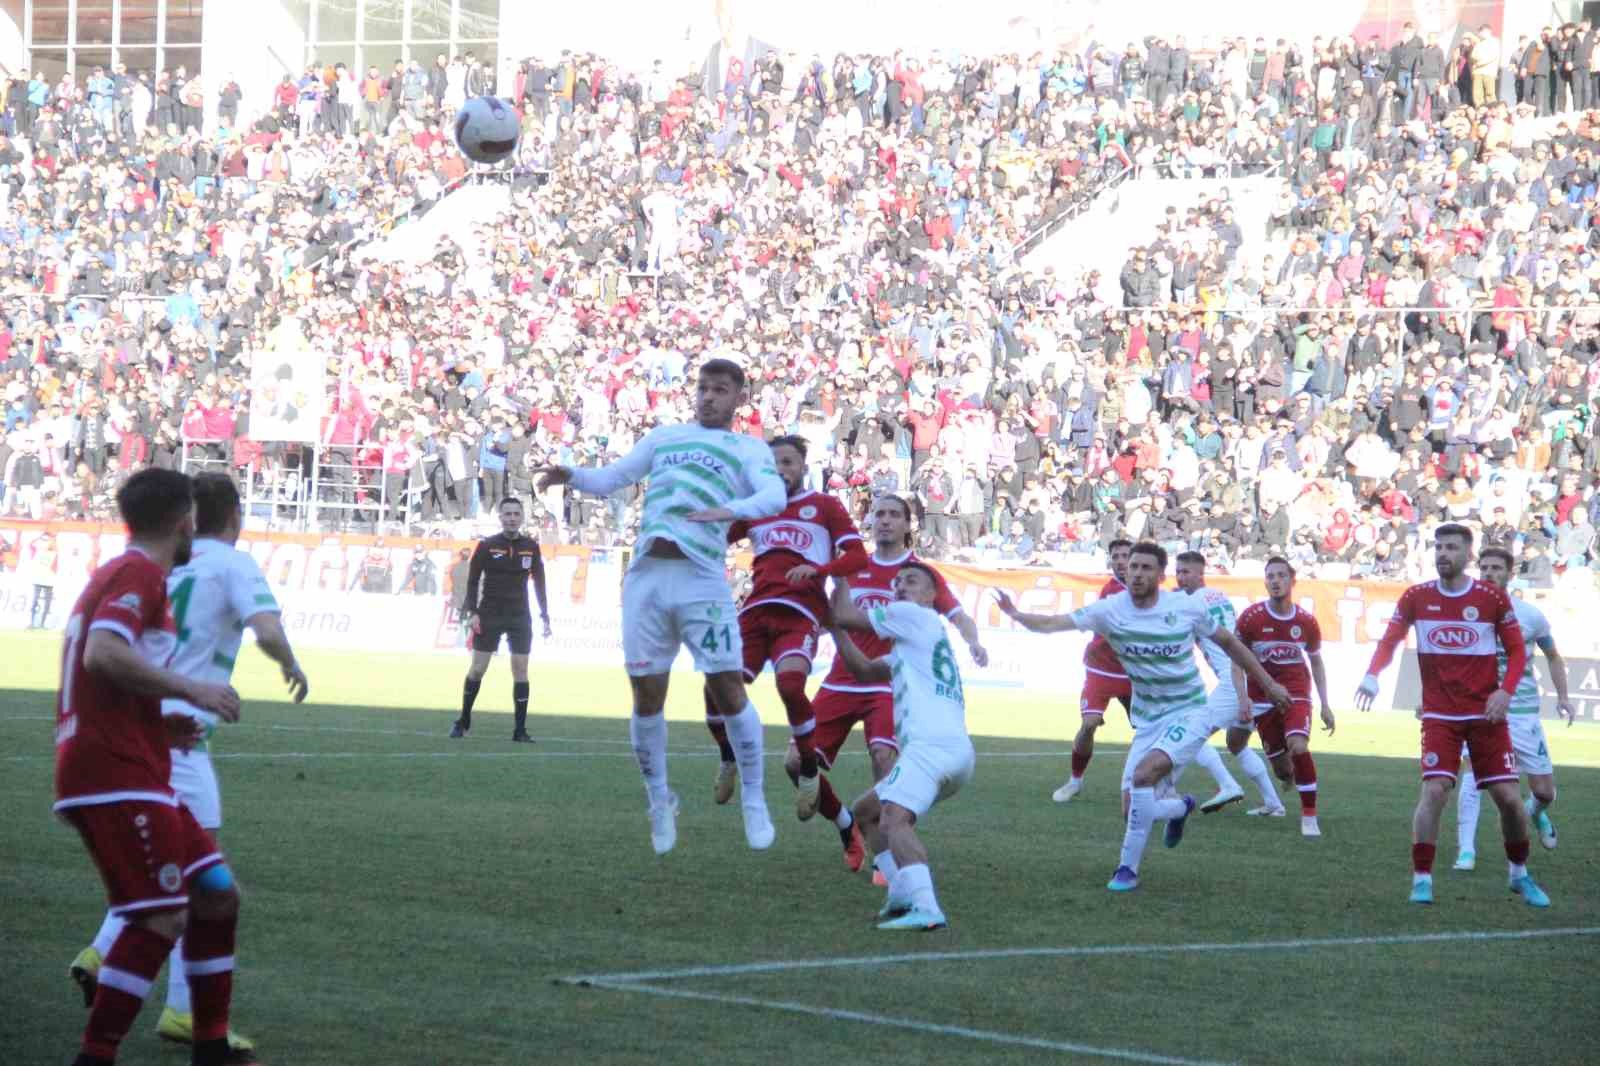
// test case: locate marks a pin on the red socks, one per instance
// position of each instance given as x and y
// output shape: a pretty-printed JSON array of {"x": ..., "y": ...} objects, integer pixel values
[
  {"x": 1517, "y": 852},
  {"x": 1422, "y": 858},
  {"x": 130, "y": 968},
  {"x": 802, "y": 724},
  {"x": 719, "y": 732},
  {"x": 208, "y": 960},
  {"x": 1305, "y": 780},
  {"x": 828, "y": 804},
  {"x": 1080, "y": 763}
]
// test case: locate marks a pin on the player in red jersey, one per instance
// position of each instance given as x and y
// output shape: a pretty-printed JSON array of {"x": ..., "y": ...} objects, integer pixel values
[
  {"x": 812, "y": 539},
  {"x": 162, "y": 872},
  {"x": 1288, "y": 641},
  {"x": 1464, "y": 700},
  {"x": 1104, "y": 680},
  {"x": 843, "y": 701}
]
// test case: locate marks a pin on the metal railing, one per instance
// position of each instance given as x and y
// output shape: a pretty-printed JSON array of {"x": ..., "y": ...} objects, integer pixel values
[{"x": 1046, "y": 229}]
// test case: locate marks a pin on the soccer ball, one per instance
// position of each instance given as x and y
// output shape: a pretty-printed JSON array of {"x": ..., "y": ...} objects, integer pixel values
[{"x": 487, "y": 129}]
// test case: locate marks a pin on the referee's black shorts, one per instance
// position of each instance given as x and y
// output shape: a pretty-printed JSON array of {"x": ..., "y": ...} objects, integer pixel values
[{"x": 517, "y": 631}]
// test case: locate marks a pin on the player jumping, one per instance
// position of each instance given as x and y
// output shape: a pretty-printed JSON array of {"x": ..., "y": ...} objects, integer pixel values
[
  {"x": 1527, "y": 732},
  {"x": 218, "y": 594},
  {"x": 811, "y": 539},
  {"x": 1464, "y": 700},
  {"x": 1103, "y": 681},
  {"x": 1286, "y": 638},
  {"x": 702, "y": 476},
  {"x": 163, "y": 873},
  {"x": 844, "y": 699},
  {"x": 936, "y": 756},
  {"x": 1154, "y": 634},
  {"x": 1223, "y": 702}
]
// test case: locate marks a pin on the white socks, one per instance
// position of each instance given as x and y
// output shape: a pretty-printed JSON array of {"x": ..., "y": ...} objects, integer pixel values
[
  {"x": 178, "y": 979},
  {"x": 845, "y": 819},
  {"x": 914, "y": 885},
  {"x": 1255, "y": 768},
  {"x": 885, "y": 864},
  {"x": 744, "y": 734},
  {"x": 649, "y": 736},
  {"x": 1144, "y": 811},
  {"x": 1209, "y": 761},
  {"x": 110, "y": 929},
  {"x": 1467, "y": 805}
]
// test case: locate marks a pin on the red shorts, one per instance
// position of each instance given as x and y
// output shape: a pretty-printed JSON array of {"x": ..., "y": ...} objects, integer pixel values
[
  {"x": 838, "y": 712},
  {"x": 147, "y": 852},
  {"x": 772, "y": 632},
  {"x": 1488, "y": 745},
  {"x": 1099, "y": 690},
  {"x": 1274, "y": 725}
]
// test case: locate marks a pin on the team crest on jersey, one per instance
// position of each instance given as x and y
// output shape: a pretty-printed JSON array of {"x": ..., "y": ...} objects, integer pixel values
[
  {"x": 1470, "y": 614},
  {"x": 714, "y": 612},
  {"x": 170, "y": 878},
  {"x": 1170, "y": 619},
  {"x": 1431, "y": 759},
  {"x": 1294, "y": 631},
  {"x": 496, "y": 553},
  {"x": 808, "y": 512},
  {"x": 527, "y": 562},
  {"x": 130, "y": 600}
]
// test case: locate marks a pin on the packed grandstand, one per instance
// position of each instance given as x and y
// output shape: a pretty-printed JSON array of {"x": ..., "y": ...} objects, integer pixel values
[{"x": 1369, "y": 304}]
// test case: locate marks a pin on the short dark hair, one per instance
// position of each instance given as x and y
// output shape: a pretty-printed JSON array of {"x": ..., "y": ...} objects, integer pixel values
[
  {"x": 1454, "y": 529},
  {"x": 216, "y": 503},
  {"x": 790, "y": 440},
  {"x": 1154, "y": 550},
  {"x": 1494, "y": 551},
  {"x": 153, "y": 500},
  {"x": 1193, "y": 558},
  {"x": 1279, "y": 560},
  {"x": 918, "y": 564},
  {"x": 510, "y": 499},
  {"x": 1118, "y": 542},
  {"x": 723, "y": 368}
]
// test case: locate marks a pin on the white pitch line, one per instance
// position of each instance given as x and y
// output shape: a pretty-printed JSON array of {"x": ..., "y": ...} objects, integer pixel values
[
  {"x": 789, "y": 965},
  {"x": 886, "y": 1021}
]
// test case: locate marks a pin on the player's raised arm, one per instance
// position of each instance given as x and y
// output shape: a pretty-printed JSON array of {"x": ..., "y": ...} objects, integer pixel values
[
  {"x": 604, "y": 480},
  {"x": 1246, "y": 660},
  {"x": 846, "y": 615},
  {"x": 1393, "y": 636},
  {"x": 1034, "y": 623},
  {"x": 876, "y": 671},
  {"x": 769, "y": 495}
]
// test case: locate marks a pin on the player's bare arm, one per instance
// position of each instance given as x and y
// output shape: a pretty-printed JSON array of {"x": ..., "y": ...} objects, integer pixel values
[
  {"x": 969, "y": 633},
  {"x": 1246, "y": 711},
  {"x": 1034, "y": 623},
  {"x": 1558, "y": 678},
  {"x": 108, "y": 655},
  {"x": 866, "y": 670},
  {"x": 845, "y": 613},
  {"x": 274, "y": 643},
  {"x": 1319, "y": 677},
  {"x": 1246, "y": 660}
]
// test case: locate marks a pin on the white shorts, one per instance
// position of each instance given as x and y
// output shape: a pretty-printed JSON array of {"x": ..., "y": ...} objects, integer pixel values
[
  {"x": 1181, "y": 737},
  {"x": 925, "y": 773},
  {"x": 1222, "y": 709},
  {"x": 195, "y": 782},
  {"x": 668, "y": 603},
  {"x": 1527, "y": 740}
]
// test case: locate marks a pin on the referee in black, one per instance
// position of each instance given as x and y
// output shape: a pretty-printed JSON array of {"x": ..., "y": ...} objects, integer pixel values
[{"x": 496, "y": 605}]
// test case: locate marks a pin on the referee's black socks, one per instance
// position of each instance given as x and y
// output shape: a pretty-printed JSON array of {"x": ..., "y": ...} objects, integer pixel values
[
  {"x": 519, "y": 696},
  {"x": 469, "y": 696}
]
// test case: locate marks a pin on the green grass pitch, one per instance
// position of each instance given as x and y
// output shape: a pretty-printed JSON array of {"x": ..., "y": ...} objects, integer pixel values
[{"x": 413, "y": 901}]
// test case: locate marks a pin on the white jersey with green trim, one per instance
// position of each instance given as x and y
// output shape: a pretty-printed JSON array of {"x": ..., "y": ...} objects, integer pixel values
[
  {"x": 1220, "y": 608},
  {"x": 929, "y": 705},
  {"x": 1156, "y": 647},
  {"x": 1535, "y": 634},
  {"x": 692, "y": 468},
  {"x": 213, "y": 595}
]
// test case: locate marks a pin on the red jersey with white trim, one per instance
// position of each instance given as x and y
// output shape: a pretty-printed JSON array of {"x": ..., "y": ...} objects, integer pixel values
[
  {"x": 1456, "y": 652},
  {"x": 110, "y": 743},
  {"x": 1283, "y": 644},
  {"x": 1098, "y": 657},
  {"x": 871, "y": 588},
  {"x": 813, "y": 528}
]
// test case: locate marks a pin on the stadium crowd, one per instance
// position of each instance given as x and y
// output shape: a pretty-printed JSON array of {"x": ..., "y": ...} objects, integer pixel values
[{"x": 854, "y": 231}]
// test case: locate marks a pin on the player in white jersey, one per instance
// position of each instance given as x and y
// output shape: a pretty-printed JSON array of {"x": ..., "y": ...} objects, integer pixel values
[
  {"x": 1227, "y": 705},
  {"x": 1527, "y": 732},
  {"x": 1154, "y": 635},
  {"x": 930, "y": 724},
  {"x": 218, "y": 594},
  {"x": 702, "y": 476}
]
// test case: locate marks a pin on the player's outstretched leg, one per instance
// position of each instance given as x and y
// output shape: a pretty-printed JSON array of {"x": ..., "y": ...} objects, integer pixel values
[
  {"x": 728, "y": 767},
  {"x": 1467, "y": 808},
  {"x": 1228, "y": 790},
  {"x": 1082, "y": 752}
]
